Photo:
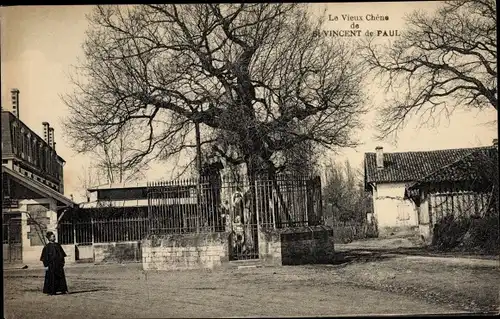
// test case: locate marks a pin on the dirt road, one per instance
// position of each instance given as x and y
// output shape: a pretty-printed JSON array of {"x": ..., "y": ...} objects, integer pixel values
[{"x": 126, "y": 292}]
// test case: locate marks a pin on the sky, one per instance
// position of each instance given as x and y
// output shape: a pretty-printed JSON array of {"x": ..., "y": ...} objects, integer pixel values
[{"x": 39, "y": 44}]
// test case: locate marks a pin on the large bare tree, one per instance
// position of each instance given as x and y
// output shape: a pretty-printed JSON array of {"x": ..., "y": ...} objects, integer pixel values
[
  {"x": 255, "y": 72},
  {"x": 444, "y": 60}
]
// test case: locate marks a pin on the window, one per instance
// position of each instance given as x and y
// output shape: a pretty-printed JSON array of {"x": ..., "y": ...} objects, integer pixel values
[
  {"x": 42, "y": 158},
  {"x": 39, "y": 153},
  {"x": 404, "y": 211},
  {"x": 14, "y": 138},
  {"x": 33, "y": 152},
  {"x": 21, "y": 143},
  {"x": 51, "y": 162}
]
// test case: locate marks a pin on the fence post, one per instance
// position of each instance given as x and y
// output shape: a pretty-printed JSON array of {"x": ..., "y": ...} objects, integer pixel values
[
  {"x": 74, "y": 232},
  {"x": 92, "y": 226},
  {"x": 8, "y": 241},
  {"x": 256, "y": 206},
  {"x": 199, "y": 215},
  {"x": 276, "y": 208}
]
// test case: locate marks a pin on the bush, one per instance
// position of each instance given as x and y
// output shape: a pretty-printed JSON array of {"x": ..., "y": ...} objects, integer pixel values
[
  {"x": 449, "y": 231},
  {"x": 471, "y": 233}
]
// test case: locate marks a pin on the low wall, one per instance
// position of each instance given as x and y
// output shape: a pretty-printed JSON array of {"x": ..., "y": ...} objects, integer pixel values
[
  {"x": 117, "y": 252},
  {"x": 185, "y": 251},
  {"x": 31, "y": 255},
  {"x": 84, "y": 252},
  {"x": 270, "y": 247},
  {"x": 294, "y": 246},
  {"x": 70, "y": 251}
]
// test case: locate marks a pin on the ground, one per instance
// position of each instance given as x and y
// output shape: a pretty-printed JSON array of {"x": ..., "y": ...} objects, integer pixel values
[{"x": 360, "y": 283}]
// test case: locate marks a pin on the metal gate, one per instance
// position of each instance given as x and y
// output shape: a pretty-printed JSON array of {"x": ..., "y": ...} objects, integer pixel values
[
  {"x": 12, "y": 244},
  {"x": 243, "y": 239}
]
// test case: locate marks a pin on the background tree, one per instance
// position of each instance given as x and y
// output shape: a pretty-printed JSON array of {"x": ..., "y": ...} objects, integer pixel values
[
  {"x": 443, "y": 60},
  {"x": 110, "y": 164},
  {"x": 113, "y": 159},
  {"x": 255, "y": 74},
  {"x": 344, "y": 193},
  {"x": 110, "y": 161},
  {"x": 87, "y": 178}
]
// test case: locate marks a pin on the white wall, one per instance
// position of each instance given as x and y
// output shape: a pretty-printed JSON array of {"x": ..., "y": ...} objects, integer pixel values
[
  {"x": 31, "y": 254},
  {"x": 390, "y": 208}
]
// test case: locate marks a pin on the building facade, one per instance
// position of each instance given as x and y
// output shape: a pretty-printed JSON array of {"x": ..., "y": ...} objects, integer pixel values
[
  {"x": 32, "y": 186},
  {"x": 387, "y": 176}
]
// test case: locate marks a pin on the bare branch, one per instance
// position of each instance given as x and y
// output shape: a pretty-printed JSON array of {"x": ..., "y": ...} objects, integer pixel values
[
  {"x": 442, "y": 61},
  {"x": 255, "y": 76}
]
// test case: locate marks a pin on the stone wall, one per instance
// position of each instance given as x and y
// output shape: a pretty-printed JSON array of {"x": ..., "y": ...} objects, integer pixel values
[
  {"x": 294, "y": 246},
  {"x": 84, "y": 252},
  {"x": 185, "y": 251},
  {"x": 309, "y": 245},
  {"x": 117, "y": 252},
  {"x": 270, "y": 247},
  {"x": 70, "y": 251}
]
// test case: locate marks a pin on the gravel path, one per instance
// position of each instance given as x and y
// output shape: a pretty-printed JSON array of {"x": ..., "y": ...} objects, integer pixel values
[{"x": 128, "y": 292}]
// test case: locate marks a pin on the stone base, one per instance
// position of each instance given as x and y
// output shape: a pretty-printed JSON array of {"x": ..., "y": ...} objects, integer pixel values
[
  {"x": 187, "y": 251},
  {"x": 294, "y": 246},
  {"x": 121, "y": 252}
]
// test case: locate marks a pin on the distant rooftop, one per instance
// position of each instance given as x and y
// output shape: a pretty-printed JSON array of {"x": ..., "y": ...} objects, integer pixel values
[
  {"x": 412, "y": 166},
  {"x": 140, "y": 185}
]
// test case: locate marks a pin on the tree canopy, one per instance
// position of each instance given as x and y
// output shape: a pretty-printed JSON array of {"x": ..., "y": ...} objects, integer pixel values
[{"x": 256, "y": 77}]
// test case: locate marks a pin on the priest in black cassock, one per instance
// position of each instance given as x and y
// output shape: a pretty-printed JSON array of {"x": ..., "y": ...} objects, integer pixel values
[{"x": 53, "y": 261}]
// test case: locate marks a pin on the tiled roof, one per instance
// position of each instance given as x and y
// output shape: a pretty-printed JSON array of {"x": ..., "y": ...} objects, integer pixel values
[
  {"x": 475, "y": 166},
  {"x": 412, "y": 166}
]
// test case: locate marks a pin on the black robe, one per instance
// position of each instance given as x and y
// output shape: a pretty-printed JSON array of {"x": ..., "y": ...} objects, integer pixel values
[{"x": 53, "y": 258}]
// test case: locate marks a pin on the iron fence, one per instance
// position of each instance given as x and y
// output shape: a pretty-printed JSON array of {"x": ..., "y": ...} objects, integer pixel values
[
  {"x": 210, "y": 205},
  {"x": 213, "y": 204},
  {"x": 11, "y": 231},
  {"x": 103, "y": 231}
]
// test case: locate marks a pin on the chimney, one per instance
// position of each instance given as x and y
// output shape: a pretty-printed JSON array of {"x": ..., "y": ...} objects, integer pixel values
[
  {"x": 51, "y": 137},
  {"x": 379, "y": 150},
  {"x": 495, "y": 142},
  {"x": 15, "y": 102},
  {"x": 46, "y": 131}
]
